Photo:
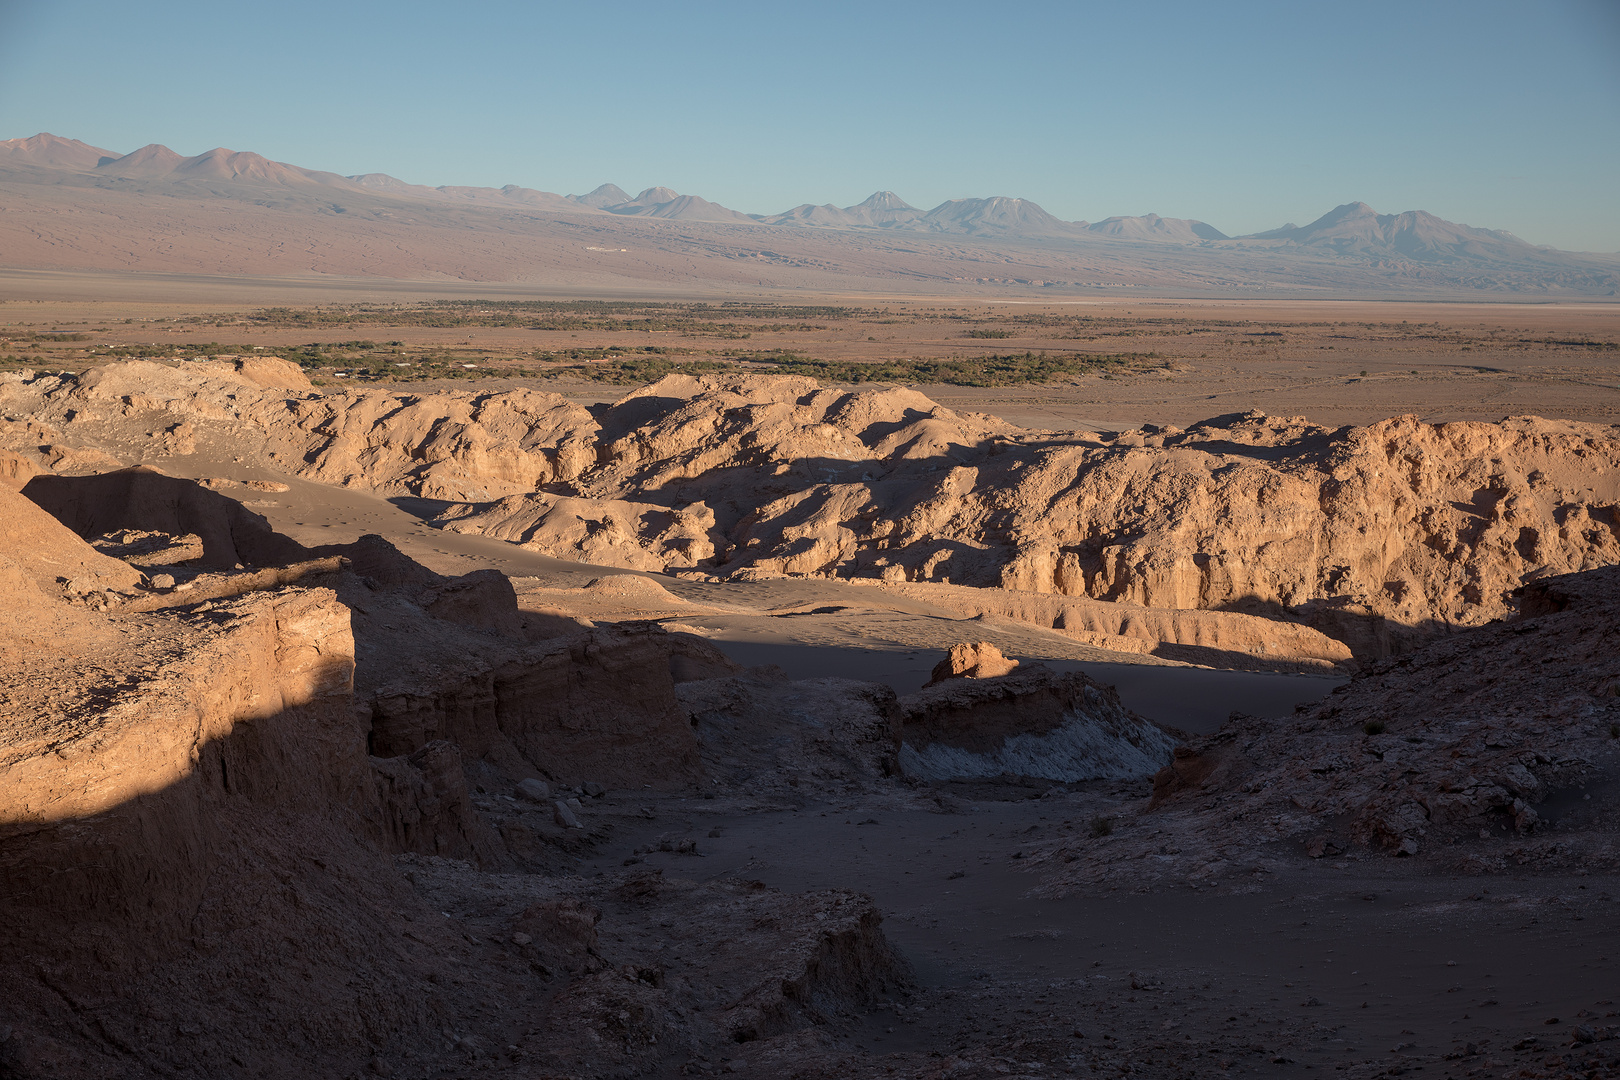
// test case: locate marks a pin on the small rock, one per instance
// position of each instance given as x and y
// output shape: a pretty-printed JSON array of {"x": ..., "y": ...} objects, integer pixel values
[
  {"x": 534, "y": 790},
  {"x": 564, "y": 815},
  {"x": 686, "y": 847},
  {"x": 186, "y": 587},
  {"x": 521, "y": 939},
  {"x": 981, "y": 660},
  {"x": 1321, "y": 846},
  {"x": 575, "y": 805},
  {"x": 163, "y": 581},
  {"x": 593, "y": 789},
  {"x": 714, "y": 832}
]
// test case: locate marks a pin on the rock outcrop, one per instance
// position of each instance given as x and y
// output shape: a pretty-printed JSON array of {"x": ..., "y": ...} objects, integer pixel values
[
  {"x": 1376, "y": 537},
  {"x": 1373, "y": 535},
  {"x": 145, "y": 499},
  {"x": 599, "y": 705},
  {"x": 977, "y": 661},
  {"x": 1032, "y": 722},
  {"x": 439, "y": 446},
  {"x": 437, "y": 658},
  {"x": 38, "y": 551},
  {"x": 1209, "y": 638},
  {"x": 1454, "y": 751}
]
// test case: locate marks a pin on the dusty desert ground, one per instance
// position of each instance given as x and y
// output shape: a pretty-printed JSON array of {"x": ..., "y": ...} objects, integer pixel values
[
  {"x": 1234, "y": 913},
  {"x": 1335, "y": 362}
]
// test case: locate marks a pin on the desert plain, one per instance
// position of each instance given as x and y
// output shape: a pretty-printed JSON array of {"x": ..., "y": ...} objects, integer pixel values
[{"x": 429, "y": 679}]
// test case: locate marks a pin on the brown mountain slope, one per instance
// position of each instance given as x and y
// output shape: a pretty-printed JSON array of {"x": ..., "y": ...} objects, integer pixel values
[
  {"x": 68, "y": 226},
  {"x": 602, "y": 195},
  {"x": 995, "y": 217},
  {"x": 1154, "y": 227},
  {"x": 1358, "y": 229},
  {"x": 237, "y": 213},
  {"x": 47, "y": 151}
]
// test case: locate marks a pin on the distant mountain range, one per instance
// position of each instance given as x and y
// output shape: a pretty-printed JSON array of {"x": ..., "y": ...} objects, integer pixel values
[{"x": 1350, "y": 249}]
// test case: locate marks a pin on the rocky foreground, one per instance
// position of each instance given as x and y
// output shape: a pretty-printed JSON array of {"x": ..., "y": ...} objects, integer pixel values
[
  {"x": 321, "y": 812},
  {"x": 1301, "y": 544},
  {"x": 274, "y": 810},
  {"x": 268, "y": 810}
]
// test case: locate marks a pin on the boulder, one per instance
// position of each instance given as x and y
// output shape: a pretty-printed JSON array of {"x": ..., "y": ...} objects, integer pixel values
[{"x": 979, "y": 661}]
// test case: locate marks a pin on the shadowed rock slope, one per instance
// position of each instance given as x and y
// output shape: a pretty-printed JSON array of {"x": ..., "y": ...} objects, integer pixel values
[
  {"x": 1478, "y": 751},
  {"x": 242, "y": 835}
]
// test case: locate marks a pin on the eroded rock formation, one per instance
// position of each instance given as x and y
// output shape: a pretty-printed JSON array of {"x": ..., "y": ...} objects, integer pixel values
[
  {"x": 979, "y": 660},
  {"x": 219, "y": 844},
  {"x": 1376, "y": 537},
  {"x": 1468, "y": 737}
]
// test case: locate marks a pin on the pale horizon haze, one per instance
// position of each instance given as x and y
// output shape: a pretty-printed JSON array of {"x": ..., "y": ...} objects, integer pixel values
[{"x": 1245, "y": 115}]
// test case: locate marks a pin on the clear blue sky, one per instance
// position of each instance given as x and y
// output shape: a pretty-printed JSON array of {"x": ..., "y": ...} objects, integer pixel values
[{"x": 1244, "y": 114}]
